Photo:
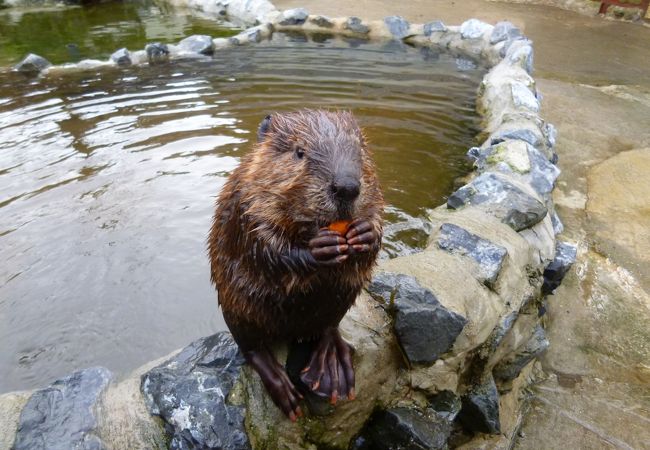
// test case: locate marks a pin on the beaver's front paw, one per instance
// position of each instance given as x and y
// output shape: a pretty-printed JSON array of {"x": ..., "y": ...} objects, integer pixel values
[
  {"x": 328, "y": 248},
  {"x": 362, "y": 236}
]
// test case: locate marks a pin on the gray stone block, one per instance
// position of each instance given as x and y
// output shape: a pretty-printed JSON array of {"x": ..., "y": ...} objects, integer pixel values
[
  {"x": 61, "y": 416},
  {"x": 295, "y": 16},
  {"x": 486, "y": 254},
  {"x": 355, "y": 25},
  {"x": 32, "y": 64},
  {"x": 503, "y": 31},
  {"x": 121, "y": 57},
  {"x": 322, "y": 21},
  {"x": 157, "y": 52},
  {"x": 197, "y": 43},
  {"x": 480, "y": 411},
  {"x": 424, "y": 327},
  {"x": 397, "y": 26},
  {"x": 190, "y": 393},
  {"x": 404, "y": 428},
  {"x": 565, "y": 256},
  {"x": 502, "y": 198},
  {"x": 510, "y": 367},
  {"x": 473, "y": 29},
  {"x": 434, "y": 27}
]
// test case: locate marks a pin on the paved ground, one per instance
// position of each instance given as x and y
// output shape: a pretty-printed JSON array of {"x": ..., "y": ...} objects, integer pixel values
[{"x": 593, "y": 74}]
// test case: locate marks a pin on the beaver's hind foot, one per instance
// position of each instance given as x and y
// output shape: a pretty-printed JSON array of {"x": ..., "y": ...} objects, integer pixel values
[
  {"x": 330, "y": 372},
  {"x": 276, "y": 381}
]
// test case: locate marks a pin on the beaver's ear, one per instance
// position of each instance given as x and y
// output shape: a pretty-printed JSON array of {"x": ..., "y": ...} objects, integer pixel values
[{"x": 263, "y": 128}]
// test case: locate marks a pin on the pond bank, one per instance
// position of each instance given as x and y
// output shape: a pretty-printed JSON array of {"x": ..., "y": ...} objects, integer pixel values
[{"x": 593, "y": 76}]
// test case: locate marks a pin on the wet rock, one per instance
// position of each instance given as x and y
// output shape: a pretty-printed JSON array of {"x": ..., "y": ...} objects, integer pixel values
[
  {"x": 503, "y": 31},
  {"x": 397, "y": 26},
  {"x": 354, "y": 24},
  {"x": 487, "y": 255},
  {"x": 565, "y": 256},
  {"x": 521, "y": 53},
  {"x": 295, "y": 16},
  {"x": 404, "y": 428},
  {"x": 523, "y": 97},
  {"x": 558, "y": 226},
  {"x": 510, "y": 367},
  {"x": 446, "y": 404},
  {"x": 32, "y": 64},
  {"x": 543, "y": 172},
  {"x": 157, "y": 52},
  {"x": 322, "y": 21},
  {"x": 551, "y": 135},
  {"x": 500, "y": 331},
  {"x": 121, "y": 57},
  {"x": 197, "y": 43},
  {"x": 434, "y": 27},
  {"x": 424, "y": 327},
  {"x": 190, "y": 393},
  {"x": 480, "y": 411},
  {"x": 473, "y": 29},
  {"x": 502, "y": 198},
  {"x": 61, "y": 416},
  {"x": 534, "y": 138}
]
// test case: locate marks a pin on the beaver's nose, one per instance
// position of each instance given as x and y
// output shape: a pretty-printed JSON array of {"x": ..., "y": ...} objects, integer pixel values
[{"x": 346, "y": 188}]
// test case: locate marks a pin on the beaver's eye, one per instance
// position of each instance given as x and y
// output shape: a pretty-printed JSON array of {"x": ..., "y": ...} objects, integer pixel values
[{"x": 300, "y": 152}]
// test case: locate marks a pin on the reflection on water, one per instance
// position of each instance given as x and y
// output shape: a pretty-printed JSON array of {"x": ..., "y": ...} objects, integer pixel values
[
  {"x": 69, "y": 34},
  {"x": 107, "y": 184}
]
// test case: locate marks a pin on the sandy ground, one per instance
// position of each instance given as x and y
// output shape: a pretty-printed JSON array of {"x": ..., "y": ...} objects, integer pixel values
[{"x": 593, "y": 74}]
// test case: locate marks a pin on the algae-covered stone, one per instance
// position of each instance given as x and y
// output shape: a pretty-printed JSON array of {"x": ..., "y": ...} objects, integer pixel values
[{"x": 61, "y": 416}]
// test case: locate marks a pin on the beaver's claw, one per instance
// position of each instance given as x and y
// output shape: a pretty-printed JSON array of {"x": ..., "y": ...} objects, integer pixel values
[
  {"x": 328, "y": 248},
  {"x": 362, "y": 236},
  {"x": 330, "y": 372},
  {"x": 276, "y": 381}
]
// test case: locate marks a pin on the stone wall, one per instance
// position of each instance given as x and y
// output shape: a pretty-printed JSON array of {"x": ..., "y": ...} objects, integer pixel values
[{"x": 445, "y": 339}]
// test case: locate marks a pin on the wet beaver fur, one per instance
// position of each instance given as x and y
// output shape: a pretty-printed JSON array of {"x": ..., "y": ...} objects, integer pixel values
[{"x": 281, "y": 274}]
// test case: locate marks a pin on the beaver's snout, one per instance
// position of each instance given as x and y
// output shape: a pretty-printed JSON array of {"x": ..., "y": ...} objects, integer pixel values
[{"x": 346, "y": 188}]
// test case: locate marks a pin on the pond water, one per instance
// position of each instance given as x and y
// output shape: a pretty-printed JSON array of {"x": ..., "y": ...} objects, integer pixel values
[
  {"x": 71, "y": 33},
  {"x": 108, "y": 179}
]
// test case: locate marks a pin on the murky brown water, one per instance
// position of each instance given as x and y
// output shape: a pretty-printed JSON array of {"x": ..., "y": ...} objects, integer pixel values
[{"x": 107, "y": 183}]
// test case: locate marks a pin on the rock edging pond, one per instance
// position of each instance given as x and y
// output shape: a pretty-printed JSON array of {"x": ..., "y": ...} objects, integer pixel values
[{"x": 445, "y": 339}]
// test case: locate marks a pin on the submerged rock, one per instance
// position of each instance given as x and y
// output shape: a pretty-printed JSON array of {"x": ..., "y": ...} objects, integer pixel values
[
  {"x": 190, "y": 393},
  {"x": 398, "y": 26},
  {"x": 480, "y": 411},
  {"x": 121, "y": 57},
  {"x": 197, "y": 43},
  {"x": 424, "y": 327},
  {"x": 565, "y": 256},
  {"x": 62, "y": 416},
  {"x": 32, "y": 64},
  {"x": 503, "y": 198},
  {"x": 487, "y": 255}
]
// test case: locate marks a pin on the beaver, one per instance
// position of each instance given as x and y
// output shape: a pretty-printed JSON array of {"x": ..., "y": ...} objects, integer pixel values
[{"x": 280, "y": 272}]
